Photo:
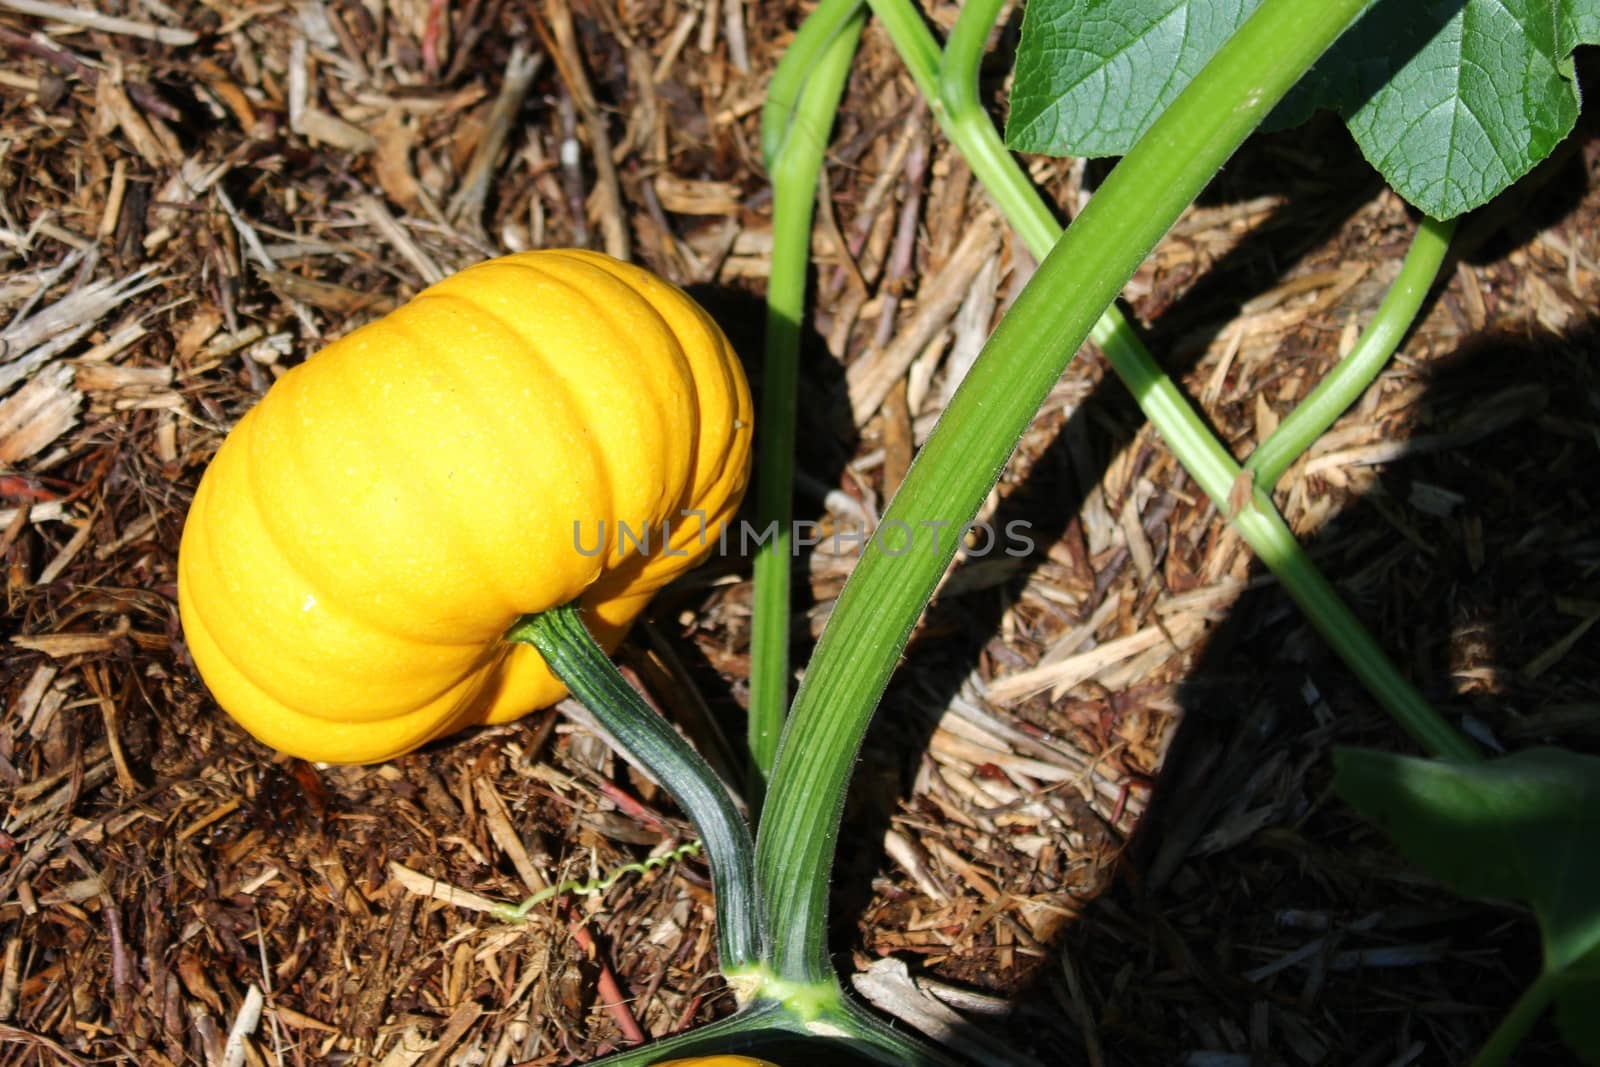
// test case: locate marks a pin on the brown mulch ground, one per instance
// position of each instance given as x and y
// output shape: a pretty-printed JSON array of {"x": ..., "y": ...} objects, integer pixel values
[{"x": 181, "y": 220}]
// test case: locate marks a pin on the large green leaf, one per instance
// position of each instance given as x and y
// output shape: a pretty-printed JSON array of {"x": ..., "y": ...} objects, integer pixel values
[
  {"x": 1579, "y": 24},
  {"x": 1525, "y": 827},
  {"x": 1452, "y": 100},
  {"x": 1470, "y": 107},
  {"x": 1092, "y": 75}
]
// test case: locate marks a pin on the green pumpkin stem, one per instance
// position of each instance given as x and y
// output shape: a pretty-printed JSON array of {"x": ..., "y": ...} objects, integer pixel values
[{"x": 649, "y": 741}]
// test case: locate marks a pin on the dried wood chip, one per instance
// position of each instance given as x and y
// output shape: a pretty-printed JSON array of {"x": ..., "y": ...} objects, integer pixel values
[
  {"x": 27, "y": 702},
  {"x": 1066, "y": 673},
  {"x": 21, "y": 1037},
  {"x": 396, "y": 139},
  {"x": 971, "y": 328},
  {"x": 688, "y": 196},
  {"x": 1489, "y": 416},
  {"x": 1144, "y": 559},
  {"x": 428, "y": 886},
  {"x": 409, "y": 1048},
  {"x": 455, "y": 1028},
  {"x": 117, "y": 111},
  {"x": 888, "y": 984},
  {"x": 389, "y": 228},
  {"x": 874, "y": 374},
  {"x": 210, "y": 818},
  {"x": 66, "y": 645},
  {"x": 321, "y": 127},
  {"x": 36, "y": 415},
  {"x": 34, "y": 338},
  {"x": 466, "y": 207},
  {"x": 300, "y": 1020},
  {"x": 915, "y": 862},
  {"x": 329, "y": 296},
  {"x": 561, "y": 40},
  {"x": 77, "y": 16},
  {"x": 69, "y": 551},
  {"x": 10, "y": 977},
  {"x": 74, "y": 892},
  {"x": 244, "y": 1024},
  {"x": 505, "y": 835}
]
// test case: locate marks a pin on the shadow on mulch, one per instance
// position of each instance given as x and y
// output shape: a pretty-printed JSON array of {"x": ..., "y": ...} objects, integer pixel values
[
  {"x": 1246, "y": 856},
  {"x": 1316, "y": 173}
]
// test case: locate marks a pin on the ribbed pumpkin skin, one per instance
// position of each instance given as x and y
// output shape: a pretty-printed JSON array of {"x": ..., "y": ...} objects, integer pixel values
[{"x": 371, "y": 528}]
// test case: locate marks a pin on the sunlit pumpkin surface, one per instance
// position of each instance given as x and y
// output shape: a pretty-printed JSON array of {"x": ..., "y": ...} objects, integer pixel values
[{"x": 371, "y": 528}]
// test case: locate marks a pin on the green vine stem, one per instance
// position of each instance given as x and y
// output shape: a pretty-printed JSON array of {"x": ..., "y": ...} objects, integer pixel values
[
  {"x": 795, "y": 129},
  {"x": 736, "y": 1033},
  {"x": 882, "y": 1042},
  {"x": 963, "y": 458},
  {"x": 650, "y": 741},
  {"x": 967, "y": 125},
  {"x": 803, "y": 58},
  {"x": 1350, "y": 377},
  {"x": 1191, "y": 440},
  {"x": 775, "y": 1030}
]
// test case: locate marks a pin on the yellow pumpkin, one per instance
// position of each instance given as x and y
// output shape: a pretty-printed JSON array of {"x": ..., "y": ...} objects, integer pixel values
[
  {"x": 717, "y": 1061},
  {"x": 368, "y": 531}
]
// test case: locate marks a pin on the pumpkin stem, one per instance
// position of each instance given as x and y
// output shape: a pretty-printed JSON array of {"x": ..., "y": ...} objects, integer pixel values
[{"x": 648, "y": 740}]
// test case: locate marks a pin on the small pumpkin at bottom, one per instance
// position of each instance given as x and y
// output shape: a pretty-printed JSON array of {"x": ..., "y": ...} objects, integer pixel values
[
  {"x": 717, "y": 1061},
  {"x": 539, "y": 429}
]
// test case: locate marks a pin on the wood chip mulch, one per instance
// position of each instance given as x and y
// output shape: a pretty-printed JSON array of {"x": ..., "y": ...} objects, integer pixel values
[{"x": 1093, "y": 824}]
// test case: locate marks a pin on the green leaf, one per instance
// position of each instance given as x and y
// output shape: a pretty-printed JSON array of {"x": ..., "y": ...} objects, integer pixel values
[
  {"x": 1451, "y": 100},
  {"x": 1579, "y": 24},
  {"x": 1476, "y": 94},
  {"x": 1524, "y": 827},
  {"x": 1092, "y": 75}
]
